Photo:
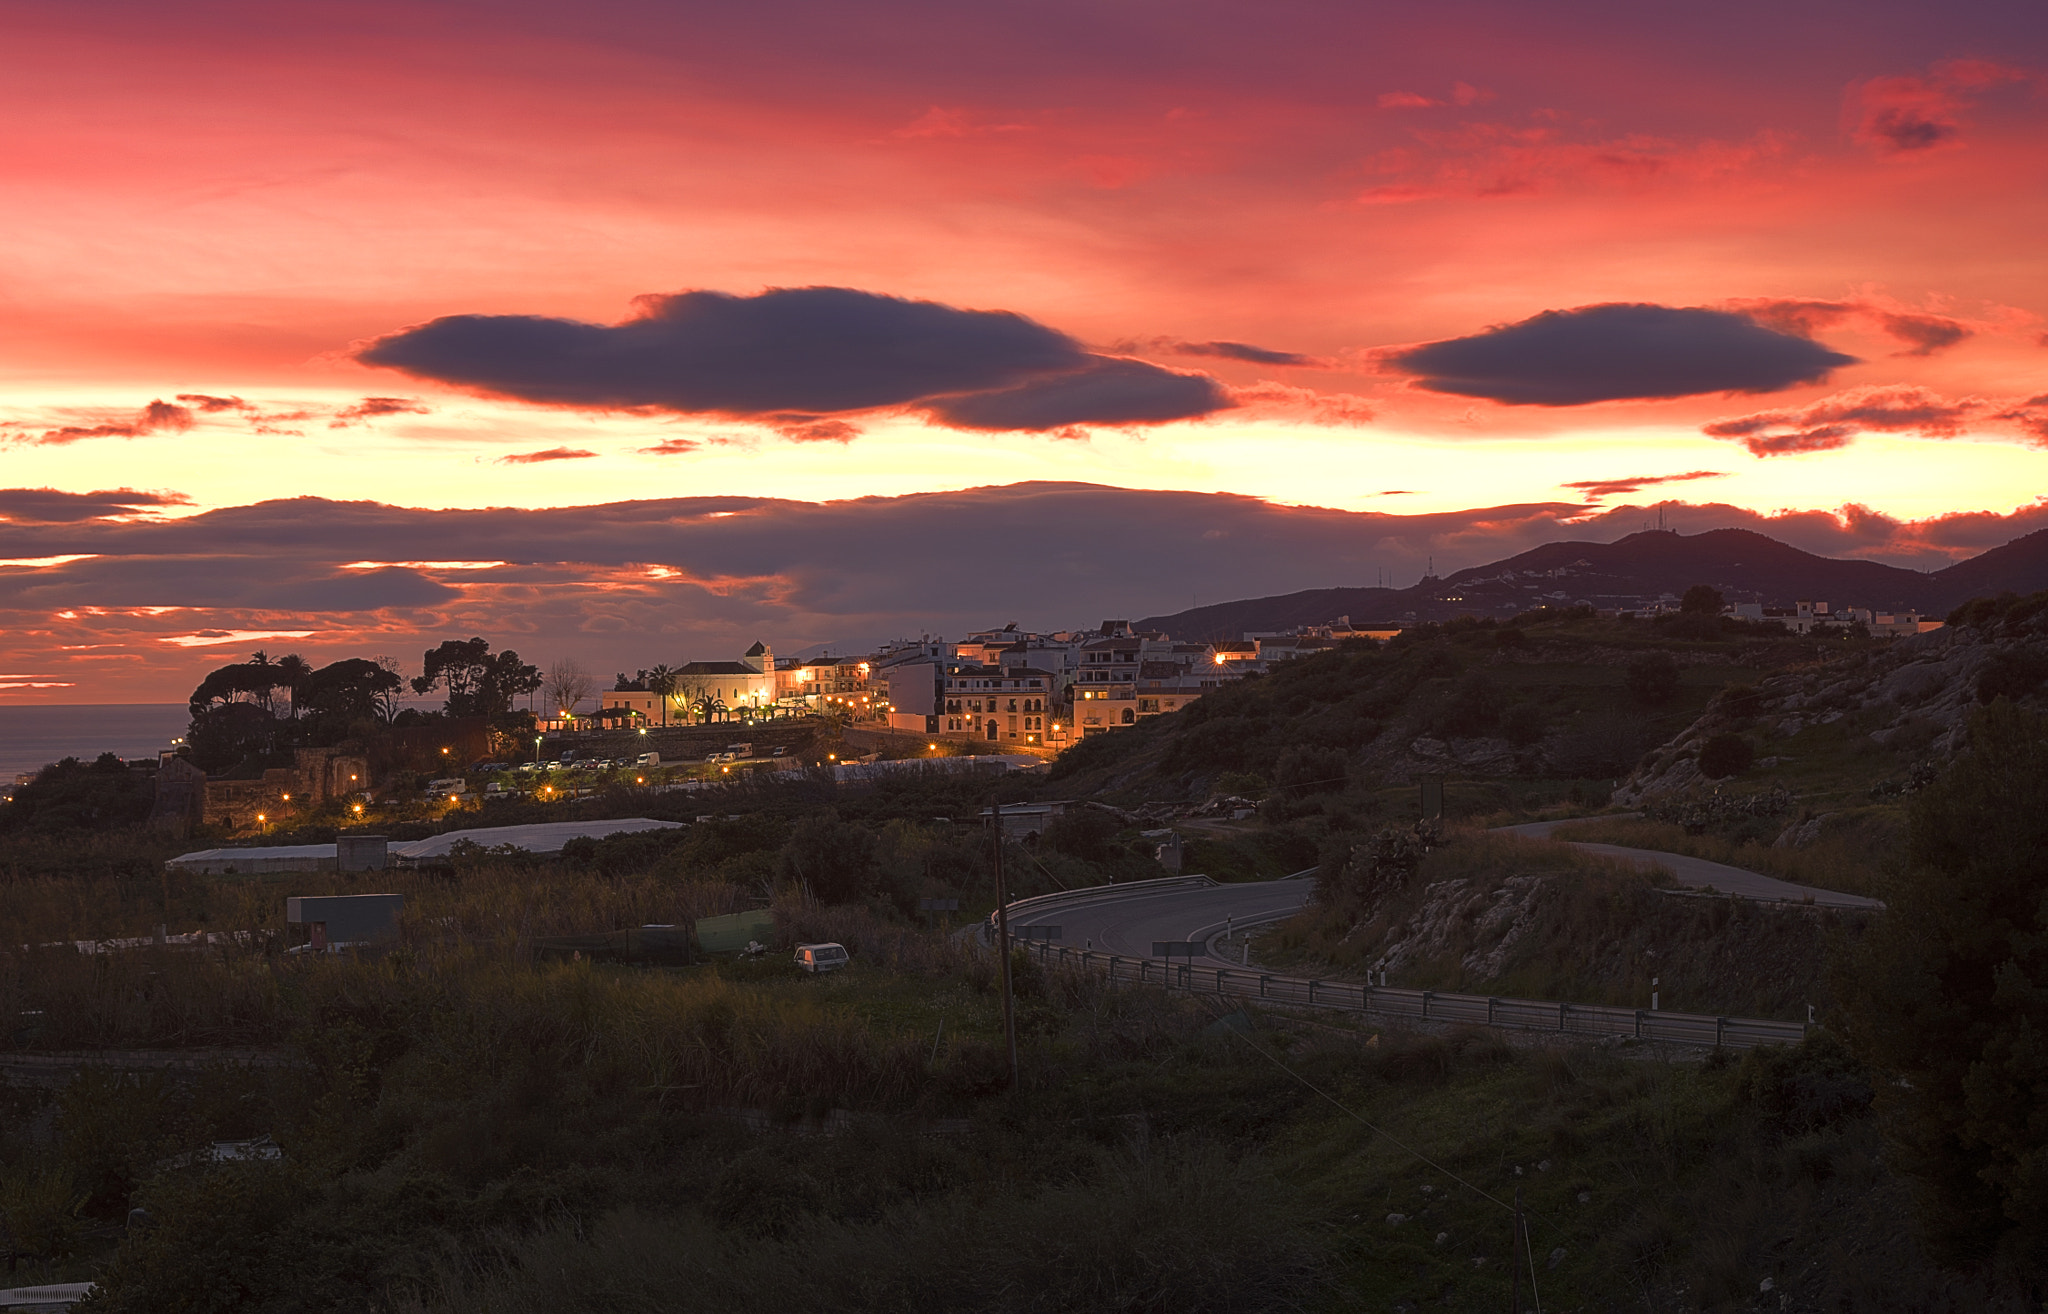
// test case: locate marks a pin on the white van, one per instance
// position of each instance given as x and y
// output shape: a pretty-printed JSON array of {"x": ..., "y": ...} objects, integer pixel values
[
  {"x": 452, "y": 787},
  {"x": 827, "y": 957},
  {"x": 648, "y": 760}
]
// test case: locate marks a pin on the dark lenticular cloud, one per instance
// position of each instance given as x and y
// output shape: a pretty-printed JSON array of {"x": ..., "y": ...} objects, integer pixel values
[
  {"x": 812, "y": 351},
  {"x": 788, "y": 349},
  {"x": 1112, "y": 390},
  {"x": 1617, "y": 352},
  {"x": 50, "y": 506}
]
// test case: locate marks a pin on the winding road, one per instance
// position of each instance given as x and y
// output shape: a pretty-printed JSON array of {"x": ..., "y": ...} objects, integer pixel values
[
  {"x": 1192, "y": 911},
  {"x": 1187, "y": 911},
  {"x": 1700, "y": 874}
]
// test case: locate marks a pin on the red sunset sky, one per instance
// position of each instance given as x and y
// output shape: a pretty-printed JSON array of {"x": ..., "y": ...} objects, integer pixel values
[{"x": 633, "y": 332}]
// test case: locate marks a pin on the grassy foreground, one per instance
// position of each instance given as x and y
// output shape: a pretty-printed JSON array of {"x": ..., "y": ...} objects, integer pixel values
[{"x": 463, "y": 1130}]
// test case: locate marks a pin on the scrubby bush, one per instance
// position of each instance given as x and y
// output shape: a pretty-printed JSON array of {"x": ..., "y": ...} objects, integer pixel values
[
  {"x": 1808, "y": 1086},
  {"x": 1725, "y": 755},
  {"x": 1083, "y": 833},
  {"x": 1524, "y": 723},
  {"x": 833, "y": 859},
  {"x": 2012, "y": 673},
  {"x": 1653, "y": 678},
  {"x": 1304, "y": 771},
  {"x": 1471, "y": 707}
]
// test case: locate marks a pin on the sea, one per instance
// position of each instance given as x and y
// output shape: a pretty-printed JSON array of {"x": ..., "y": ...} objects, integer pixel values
[{"x": 33, "y": 737}]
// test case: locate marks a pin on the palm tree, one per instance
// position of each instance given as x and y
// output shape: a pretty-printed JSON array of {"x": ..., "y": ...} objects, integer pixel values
[
  {"x": 709, "y": 709},
  {"x": 662, "y": 681},
  {"x": 294, "y": 669}
]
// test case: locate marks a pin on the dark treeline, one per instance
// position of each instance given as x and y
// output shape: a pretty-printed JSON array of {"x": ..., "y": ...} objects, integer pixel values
[{"x": 251, "y": 714}]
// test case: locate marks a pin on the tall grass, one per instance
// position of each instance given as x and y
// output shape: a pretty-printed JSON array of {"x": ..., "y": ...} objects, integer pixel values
[{"x": 1191, "y": 1228}]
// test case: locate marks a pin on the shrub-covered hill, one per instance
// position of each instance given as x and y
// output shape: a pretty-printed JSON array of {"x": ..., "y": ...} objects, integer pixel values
[
  {"x": 1558, "y": 696},
  {"x": 1873, "y": 722}
]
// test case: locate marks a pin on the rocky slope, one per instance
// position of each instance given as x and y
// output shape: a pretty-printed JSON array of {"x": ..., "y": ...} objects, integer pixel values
[{"x": 1912, "y": 699}]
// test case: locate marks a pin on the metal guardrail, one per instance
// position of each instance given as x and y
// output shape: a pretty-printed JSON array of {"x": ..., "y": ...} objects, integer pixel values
[
  {"x": 1700, "y": 1029},
  {"x": 1089, "y": 893}
]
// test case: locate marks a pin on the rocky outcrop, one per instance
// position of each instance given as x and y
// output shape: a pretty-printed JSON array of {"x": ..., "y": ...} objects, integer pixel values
[{"x": 1920, "y": 690}]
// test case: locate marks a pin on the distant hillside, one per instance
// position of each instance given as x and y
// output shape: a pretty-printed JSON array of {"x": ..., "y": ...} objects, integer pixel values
[
  {"x": 2021, "y": 566},
  {"x": 1744, "y": 565}
]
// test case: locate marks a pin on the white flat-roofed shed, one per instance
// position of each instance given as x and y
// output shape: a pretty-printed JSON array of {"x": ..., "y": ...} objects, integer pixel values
[
  {"x": 539, "y": 837},
  {"x": 257, "y": 861}
]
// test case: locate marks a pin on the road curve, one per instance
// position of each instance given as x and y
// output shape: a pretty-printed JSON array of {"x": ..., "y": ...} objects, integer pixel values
[
  {"x": 1131, "y": 923},
  {"x": 1699, "y": 874}
]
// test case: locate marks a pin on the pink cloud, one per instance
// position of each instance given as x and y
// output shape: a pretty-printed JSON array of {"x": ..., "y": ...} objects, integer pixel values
[
  {"x": 1833, "y": 422},
  {"x": 550, "y": 454},
  {"x": 1919, "y": 333},
  {"x": 157, "y": 417},
  {"x": 1913, "y": 114}
]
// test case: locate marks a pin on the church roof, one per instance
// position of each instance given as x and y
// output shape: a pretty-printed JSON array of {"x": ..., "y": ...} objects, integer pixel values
[{"x": 756, "y": 650}]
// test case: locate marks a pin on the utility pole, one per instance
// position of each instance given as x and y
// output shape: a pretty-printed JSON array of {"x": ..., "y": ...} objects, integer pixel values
[
  {"x": 1515, "y": 1259},
  {"x": 1003, "y": 944}
]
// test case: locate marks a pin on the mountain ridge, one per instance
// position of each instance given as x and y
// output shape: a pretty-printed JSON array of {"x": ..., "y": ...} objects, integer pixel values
[{"x": 1745, "y": 565}]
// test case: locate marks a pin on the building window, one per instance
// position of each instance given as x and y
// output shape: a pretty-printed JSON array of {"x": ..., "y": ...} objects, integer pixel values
[{"x": 1130, "y": 717}]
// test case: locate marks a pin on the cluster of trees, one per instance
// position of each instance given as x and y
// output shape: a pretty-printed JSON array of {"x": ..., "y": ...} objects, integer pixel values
[
  {"x": 478, "y": 681},
  {"x": 263, "y": 707},
  {"x": 1948, "y": 992},
  {"x": 70, "y": 796}
]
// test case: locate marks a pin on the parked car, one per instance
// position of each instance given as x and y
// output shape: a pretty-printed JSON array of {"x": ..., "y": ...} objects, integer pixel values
[
  {"x": 648, "y": 760},
  {"x": 826, "y": 957}
]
